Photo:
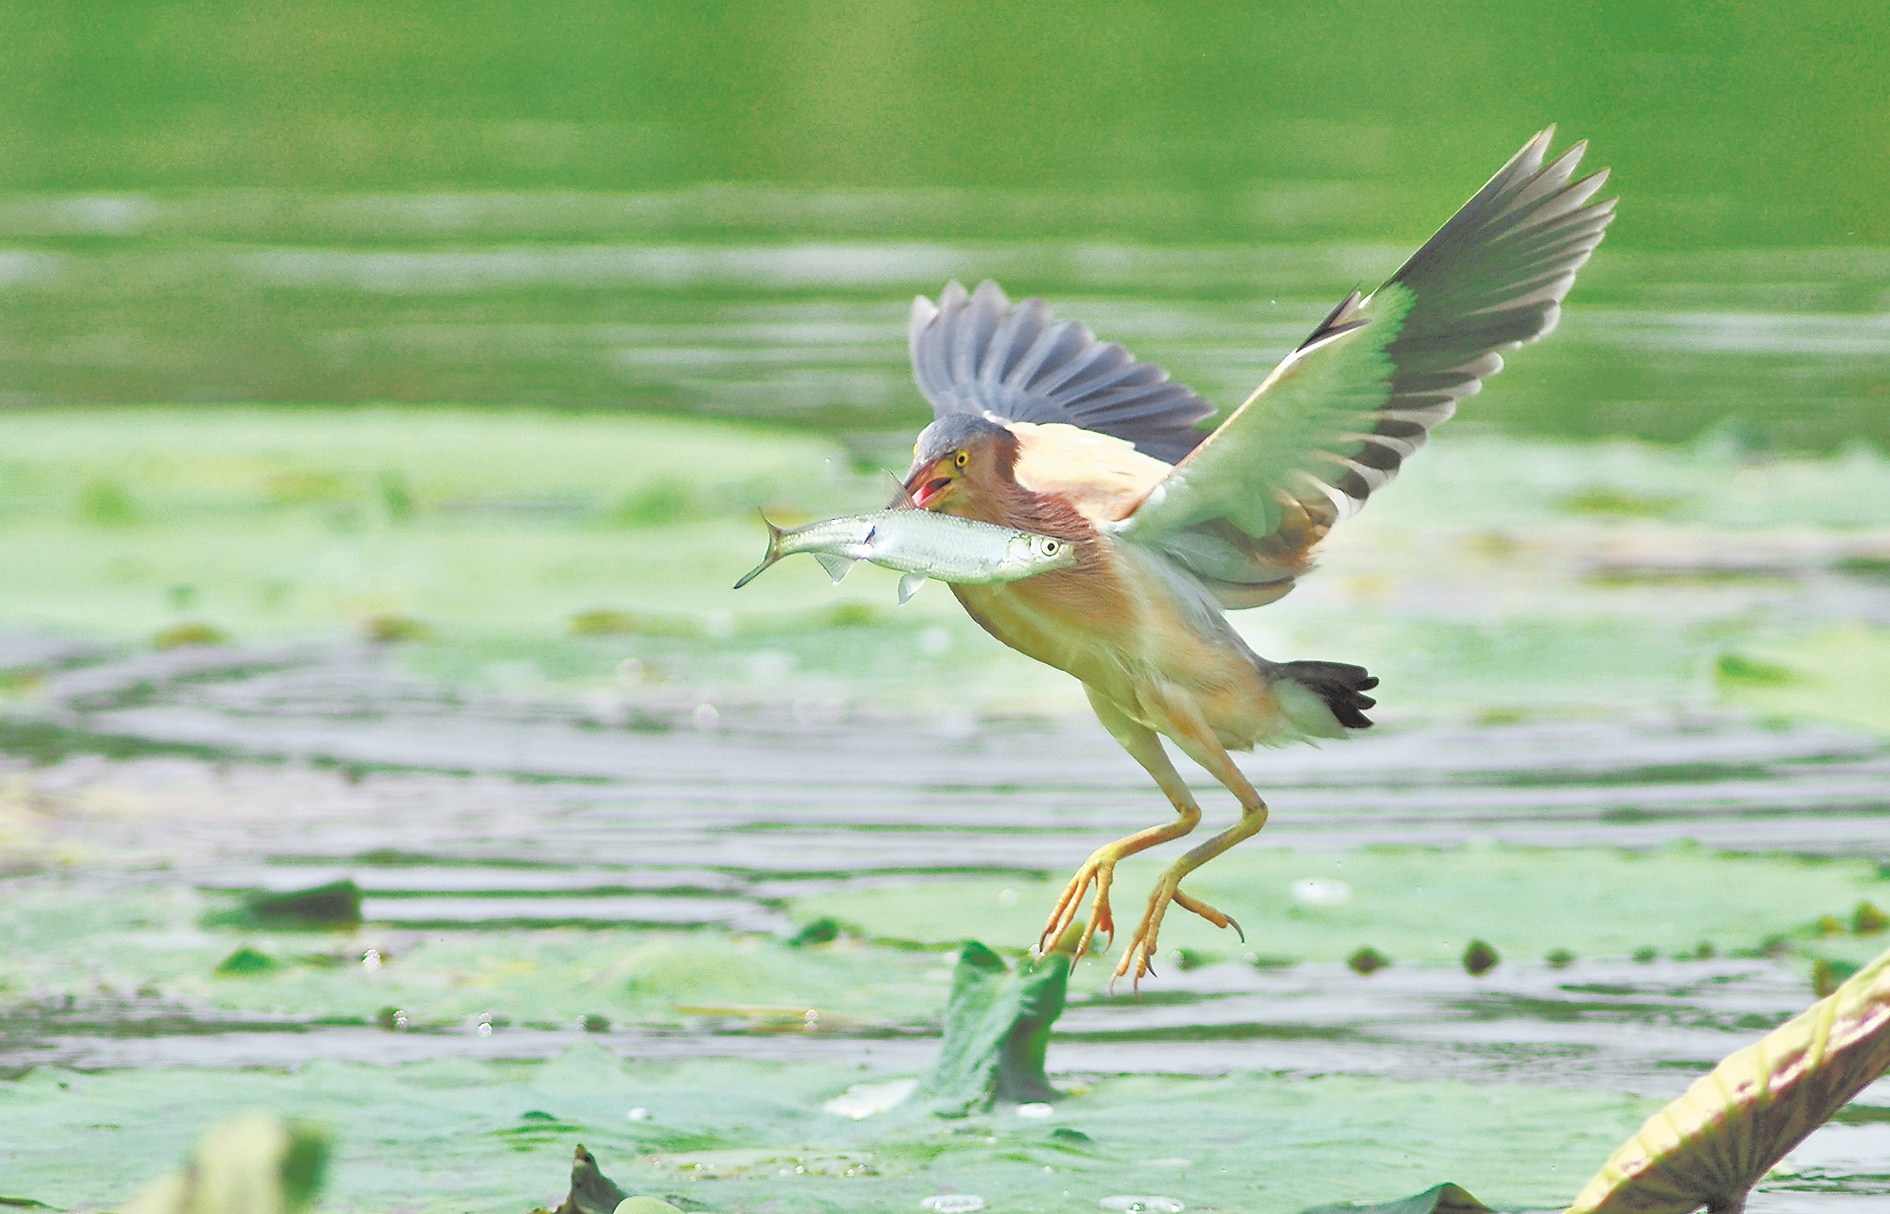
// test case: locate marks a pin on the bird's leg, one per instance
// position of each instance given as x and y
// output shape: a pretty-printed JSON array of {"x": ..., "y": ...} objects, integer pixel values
[
  {"x": 1200, "y": 744},
  {"x": 1145, "y": 747}
]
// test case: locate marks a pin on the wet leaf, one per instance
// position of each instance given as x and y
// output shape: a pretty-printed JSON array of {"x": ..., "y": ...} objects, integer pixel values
[
  {"x": 1444, "y": 1199},
  {"x": 336, "y": 904},
  {"x": 245, "y": 962},
  {"x": 1367, "y": 960},
  {"x": 1716, "y": 1141},
  {"x": 190, "y": 632},
  {"x": 250, "y": 1164},
  {"x": 592, "y": 1192},
  {"x": 997, "y": 1030}
]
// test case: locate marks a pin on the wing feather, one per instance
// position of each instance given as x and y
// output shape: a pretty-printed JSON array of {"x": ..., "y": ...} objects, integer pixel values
[
  {"x": 1338, "y": 417},
  {"x": 976, "y": 353}
]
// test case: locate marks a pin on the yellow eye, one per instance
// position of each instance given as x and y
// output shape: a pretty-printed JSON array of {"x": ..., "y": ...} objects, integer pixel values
[{"x": 961, "y": 459}]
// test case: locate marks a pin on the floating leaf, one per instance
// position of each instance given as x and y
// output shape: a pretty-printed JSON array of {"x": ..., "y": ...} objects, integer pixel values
[
  {"x": 821, "y": 931},
  {"x": 245, "y": 962},
  {"x": 1444, "y": 1199},
  {"x": 389, "y": 629},
  {"x": 1709, "y": 1147},
  {"x": 190, "y": 632},
  {"x": 1367, "y": 960},
  {"x": 1479, "y": 958},
  {"x": 336, "y": 904},
  {"x": 997, "y": 1029}
]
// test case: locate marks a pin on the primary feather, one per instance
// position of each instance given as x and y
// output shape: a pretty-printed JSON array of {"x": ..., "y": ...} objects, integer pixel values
[{"x": 1339, "y": 416}]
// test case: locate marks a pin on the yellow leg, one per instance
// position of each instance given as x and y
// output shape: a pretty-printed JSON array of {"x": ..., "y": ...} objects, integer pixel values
[
  {"x": 1200, "y": 744},
  {"x": 1145, "y": 747}
]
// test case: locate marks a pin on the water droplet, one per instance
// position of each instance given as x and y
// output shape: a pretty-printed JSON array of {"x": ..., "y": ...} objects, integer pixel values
[
  {"x": 1036, "y": 1109},
  {"x": 952, "y": 1203},
  {"x": 864, "y": 1100},
  {"x": 485, "y": 1029},
  {"x": 639, "y": 1114},
  {"x": 770, "y": 665},
  {"x": 705, "y": 717},
  {"x": 1007, "y": 897},
  {"x": 1320, "y": 891},
  {"x": 1142, "y": 1205},
  {"x": 371, "y": 960}
]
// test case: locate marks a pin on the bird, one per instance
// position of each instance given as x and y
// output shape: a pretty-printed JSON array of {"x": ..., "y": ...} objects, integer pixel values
[{"x": 1039, "y": 425}]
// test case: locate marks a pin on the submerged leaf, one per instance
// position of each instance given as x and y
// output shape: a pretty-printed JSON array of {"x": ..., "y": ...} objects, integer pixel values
[
  {"x": 997, "y": 1029},
  {"x": 1714, "y": 1143}
]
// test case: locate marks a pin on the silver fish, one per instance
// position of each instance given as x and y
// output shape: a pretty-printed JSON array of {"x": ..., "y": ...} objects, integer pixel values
[{"x": 920, "y": 544}]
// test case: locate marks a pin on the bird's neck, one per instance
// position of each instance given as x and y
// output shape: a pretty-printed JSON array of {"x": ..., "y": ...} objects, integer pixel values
[{"x": 1008, "y": 504}]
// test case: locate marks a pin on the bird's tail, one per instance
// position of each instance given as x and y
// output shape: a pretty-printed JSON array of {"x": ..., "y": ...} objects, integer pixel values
[
  {"x": 1340, "y": 689},
  {"x": 774, "y": 553}
]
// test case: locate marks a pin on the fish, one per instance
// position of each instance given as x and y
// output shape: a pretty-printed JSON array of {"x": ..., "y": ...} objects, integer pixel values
[{"x": 921, "y": 544}]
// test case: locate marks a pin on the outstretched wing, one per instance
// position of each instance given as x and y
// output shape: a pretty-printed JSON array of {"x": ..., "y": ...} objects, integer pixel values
[
  {"x": 978, "y": 354},
  {"x": 1334, "y": 422}
]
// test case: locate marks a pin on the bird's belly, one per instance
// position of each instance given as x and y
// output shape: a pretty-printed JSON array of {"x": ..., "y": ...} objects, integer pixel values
[
  {"x": 1071, "y": 640},
  {"x": 1148, "y": 660}
]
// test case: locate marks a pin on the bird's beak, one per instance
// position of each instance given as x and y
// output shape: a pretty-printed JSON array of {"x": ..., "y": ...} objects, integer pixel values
[{"x": 925, "y": 485}]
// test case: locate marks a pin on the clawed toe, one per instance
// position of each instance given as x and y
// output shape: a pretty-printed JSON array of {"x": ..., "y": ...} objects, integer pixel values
[
  {"x": 1217, "y": 918},
  {"x": 1095, "y": 872}
]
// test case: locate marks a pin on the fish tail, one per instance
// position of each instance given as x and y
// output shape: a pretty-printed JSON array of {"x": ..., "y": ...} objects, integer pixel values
[{"x": 774, "y": 553}]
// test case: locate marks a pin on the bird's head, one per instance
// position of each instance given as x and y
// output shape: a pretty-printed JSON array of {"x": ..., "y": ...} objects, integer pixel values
[{"x": 960, "y": 459}]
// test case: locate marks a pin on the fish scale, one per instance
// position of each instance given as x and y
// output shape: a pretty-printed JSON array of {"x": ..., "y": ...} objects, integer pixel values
[{"x": 920, "y": 544}]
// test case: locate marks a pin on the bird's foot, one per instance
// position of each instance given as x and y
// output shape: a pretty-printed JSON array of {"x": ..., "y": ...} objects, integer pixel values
[
  {"x": 1138, "y": 959},
  {"x": 1099, "y": 870},
  {"x": 1217, "y": 918}
]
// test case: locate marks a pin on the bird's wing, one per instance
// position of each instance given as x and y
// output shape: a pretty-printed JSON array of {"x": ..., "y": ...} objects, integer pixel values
[
  {"x": 1337, "y": 418},
  {"x": 977, "y": 354}
]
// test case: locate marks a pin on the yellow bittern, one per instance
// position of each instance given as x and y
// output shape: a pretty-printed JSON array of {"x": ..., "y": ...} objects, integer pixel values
[{"x": 1039, "y": 426}]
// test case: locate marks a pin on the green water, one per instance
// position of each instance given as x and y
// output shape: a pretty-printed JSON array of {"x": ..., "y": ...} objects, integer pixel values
[{"x": 724, "y": 208}]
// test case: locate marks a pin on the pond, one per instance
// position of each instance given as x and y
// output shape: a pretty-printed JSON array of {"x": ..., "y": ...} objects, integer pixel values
[{"x": 390, "y": 394}]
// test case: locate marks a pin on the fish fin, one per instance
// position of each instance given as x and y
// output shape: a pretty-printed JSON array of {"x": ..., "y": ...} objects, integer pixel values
[
  {"x": 774, "y": 553},
  {"x": 909, "y": 586},
  {"x": 835, "y": 565},
  {"x": 901, "y": 500}
]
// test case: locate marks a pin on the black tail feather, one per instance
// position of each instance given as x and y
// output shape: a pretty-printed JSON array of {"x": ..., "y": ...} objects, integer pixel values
[{"x": 1340, "y": 685}]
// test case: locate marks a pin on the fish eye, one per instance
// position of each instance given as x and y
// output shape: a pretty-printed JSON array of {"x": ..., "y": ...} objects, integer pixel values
[
  {"x": 961, "y": 459},
  {"x": 1052, "y": 547}
]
